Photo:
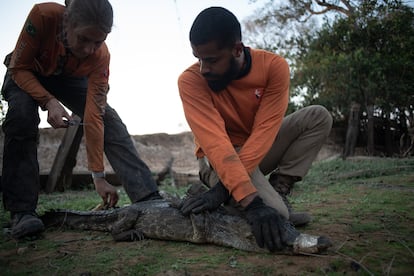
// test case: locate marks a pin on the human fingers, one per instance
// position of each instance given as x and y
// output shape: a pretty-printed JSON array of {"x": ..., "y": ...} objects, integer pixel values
[
  {"x": 189, "y": 205},
  {"x": 202, "y": 205},
  {"x": 275, "y": 234},
  {"x": 268, "y": 238},
  {"x": 257, "y": 232},
  {"x": 113, "y": 199},
  {"x": 104, "y": 197},
  {"x": 67, "y": 115}
]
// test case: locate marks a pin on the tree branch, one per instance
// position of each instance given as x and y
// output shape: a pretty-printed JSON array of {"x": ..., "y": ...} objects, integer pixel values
[{"x": 332, "y": 7}]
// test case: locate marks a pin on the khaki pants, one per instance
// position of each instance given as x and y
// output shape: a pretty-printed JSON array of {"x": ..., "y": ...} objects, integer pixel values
[{"x": 299, "y": 140}]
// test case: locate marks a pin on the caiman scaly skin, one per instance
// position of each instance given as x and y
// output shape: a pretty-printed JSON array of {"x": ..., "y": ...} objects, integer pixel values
[{"x": 159, "y": 219}]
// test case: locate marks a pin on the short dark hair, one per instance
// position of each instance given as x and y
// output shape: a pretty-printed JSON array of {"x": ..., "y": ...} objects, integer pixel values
[{"x": 215, "y": 24}]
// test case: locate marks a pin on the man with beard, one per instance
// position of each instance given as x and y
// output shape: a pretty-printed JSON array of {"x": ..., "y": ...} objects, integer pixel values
[{"x": 234, "y": 100}]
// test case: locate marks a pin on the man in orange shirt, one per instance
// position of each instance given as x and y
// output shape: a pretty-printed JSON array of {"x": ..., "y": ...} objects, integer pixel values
[
  {"x": 61, "y": 58},
  {"x": 234, "y": 100}
]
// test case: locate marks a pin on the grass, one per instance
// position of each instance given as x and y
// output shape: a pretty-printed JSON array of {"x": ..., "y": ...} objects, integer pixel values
[
  {"x": 364, "y": 205},
  {"x": 375, "y": 202}
]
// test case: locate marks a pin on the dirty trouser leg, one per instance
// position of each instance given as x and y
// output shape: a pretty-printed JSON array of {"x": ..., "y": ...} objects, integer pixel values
[
  {"x": 270, "y": 197},
  {"x": 133, "y": 173},
  {"x": 120, "y": 150},
  {"x": 299, "y": 140},
  {"x": 20, "y": 175},
  {"x": 267, "y": 193}
]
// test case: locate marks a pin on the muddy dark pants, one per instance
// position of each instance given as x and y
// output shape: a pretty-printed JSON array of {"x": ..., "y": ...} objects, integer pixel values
[{"x": 20, "y": 175}]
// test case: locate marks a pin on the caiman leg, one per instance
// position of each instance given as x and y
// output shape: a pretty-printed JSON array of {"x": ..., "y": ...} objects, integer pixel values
[{"x": 123, "y": 229}]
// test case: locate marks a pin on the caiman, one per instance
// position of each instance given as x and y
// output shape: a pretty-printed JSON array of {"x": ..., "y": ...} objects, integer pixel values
[{"x": 161, "y": 219}]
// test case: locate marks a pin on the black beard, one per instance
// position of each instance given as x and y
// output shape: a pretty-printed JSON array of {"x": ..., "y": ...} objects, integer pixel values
[
  {"x": 231, "y": 74},
  {"x": 218, "y": 85}
]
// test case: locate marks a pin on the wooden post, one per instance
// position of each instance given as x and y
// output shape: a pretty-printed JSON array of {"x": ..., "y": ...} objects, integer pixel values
[{"x": 60, "y": 175}]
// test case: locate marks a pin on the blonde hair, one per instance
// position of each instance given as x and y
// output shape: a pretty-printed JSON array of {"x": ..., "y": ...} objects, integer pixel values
[{"x": 96, "y": 13}]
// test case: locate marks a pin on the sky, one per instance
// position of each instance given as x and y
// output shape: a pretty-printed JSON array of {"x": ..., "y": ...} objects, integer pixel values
[{"x": 149, "y": 49}]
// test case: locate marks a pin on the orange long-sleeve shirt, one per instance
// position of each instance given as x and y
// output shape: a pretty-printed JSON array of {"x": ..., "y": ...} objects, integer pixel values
[
  {"x": 40, "y": 50},
  {"x": 247, "y": 114}
]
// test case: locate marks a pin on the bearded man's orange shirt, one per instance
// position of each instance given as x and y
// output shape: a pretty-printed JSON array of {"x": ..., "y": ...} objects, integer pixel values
[{"x": 246, "y": 115}]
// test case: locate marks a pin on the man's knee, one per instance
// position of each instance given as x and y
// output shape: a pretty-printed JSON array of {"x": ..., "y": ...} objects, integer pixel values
[
  {"x": 324, "y": 114},
  {"x": 111, "y": 114},
  {"x": 321, "y": 116},
  {"x": 115, "y": 129},
  {"x": 326, "y": 119},
  {"x": 23, "y": 123}
]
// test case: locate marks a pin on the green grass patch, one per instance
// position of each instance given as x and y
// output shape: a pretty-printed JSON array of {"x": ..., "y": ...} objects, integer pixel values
[{"x": 364, "y": 205}]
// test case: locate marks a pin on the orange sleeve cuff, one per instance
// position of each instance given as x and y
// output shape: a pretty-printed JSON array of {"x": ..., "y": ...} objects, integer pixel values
[{"x": 241, "y": 191}]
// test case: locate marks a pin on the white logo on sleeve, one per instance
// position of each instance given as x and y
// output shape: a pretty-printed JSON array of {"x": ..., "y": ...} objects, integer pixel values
[{"x": 258, "y": 93}]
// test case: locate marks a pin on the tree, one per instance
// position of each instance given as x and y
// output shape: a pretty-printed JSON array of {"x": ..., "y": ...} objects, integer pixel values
[
  {"x": 367, "y": 58},
  {"x": 281, "y": 26},
  {"x": 277, "y": 25},
  {"x": 363, "y": 55}
]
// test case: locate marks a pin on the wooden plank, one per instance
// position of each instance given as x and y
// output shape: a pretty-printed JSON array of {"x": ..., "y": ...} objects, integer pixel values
[
  {"x": 65, "y": 179},
  {"x": 65, "y": 160}
]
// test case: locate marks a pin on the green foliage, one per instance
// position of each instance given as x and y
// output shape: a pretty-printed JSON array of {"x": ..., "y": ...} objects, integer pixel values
[
  {"x": 367, "y": 58},
  {"x": 360, "y": 52}
]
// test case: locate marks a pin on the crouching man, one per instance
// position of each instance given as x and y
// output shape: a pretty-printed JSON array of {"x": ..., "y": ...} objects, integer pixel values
[{"x": 235, "y": 99}]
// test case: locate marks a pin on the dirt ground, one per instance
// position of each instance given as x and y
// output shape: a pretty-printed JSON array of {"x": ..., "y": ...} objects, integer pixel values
[{"x": 72, "y": 243}]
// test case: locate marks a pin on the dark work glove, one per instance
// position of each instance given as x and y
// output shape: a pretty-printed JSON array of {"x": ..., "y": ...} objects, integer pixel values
[
  {"x": 266, "y": 223},
  {"x": 210, "y": 200}
]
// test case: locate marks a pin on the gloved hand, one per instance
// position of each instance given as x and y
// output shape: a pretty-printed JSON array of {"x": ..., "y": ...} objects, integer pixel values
[
  {"x": 207, "y": 201},
  {"x": 266, "y": 223}
]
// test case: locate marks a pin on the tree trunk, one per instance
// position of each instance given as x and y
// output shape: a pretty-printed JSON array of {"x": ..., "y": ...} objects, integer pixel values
[
  {"x": 388, "y": 140},
  {"x": 370, "y": 131},
  {"x": 352, "y": 131}
]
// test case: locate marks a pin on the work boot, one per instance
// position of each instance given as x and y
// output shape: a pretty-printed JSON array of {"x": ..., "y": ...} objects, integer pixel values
[
  {"x": 283, "y": 184},
  {"x": 26, "y": 224}
]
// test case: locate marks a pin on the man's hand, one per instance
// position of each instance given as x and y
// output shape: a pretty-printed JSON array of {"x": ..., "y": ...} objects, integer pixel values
[
  {"x": 55, "y": 114},
  {"x": 207, "y": 201},
  {"x": 266, "y": 224},
  {"x": 106, "y": 191}
]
